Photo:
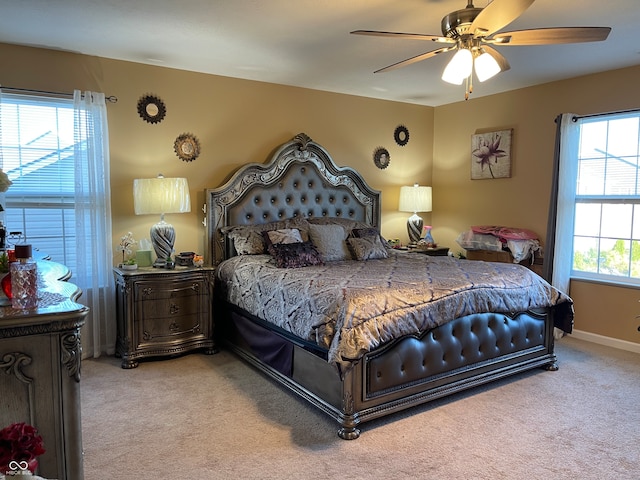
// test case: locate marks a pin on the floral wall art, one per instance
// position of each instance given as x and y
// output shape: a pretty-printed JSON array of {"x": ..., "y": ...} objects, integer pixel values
[{"x": 491, "y": 155}]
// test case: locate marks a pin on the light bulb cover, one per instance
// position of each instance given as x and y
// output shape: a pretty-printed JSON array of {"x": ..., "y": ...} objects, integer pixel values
[
  {"x": 486, "y": 66},
  {"x": 459, "y": 67}
]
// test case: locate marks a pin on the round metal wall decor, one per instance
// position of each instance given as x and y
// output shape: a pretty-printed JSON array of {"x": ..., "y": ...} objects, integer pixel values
[
  {"x": 381, "y": 157},
  {"x": 401, "y": 135},
  {"x": 151, "y": 109},
  {"x": 187, "y": 147}
]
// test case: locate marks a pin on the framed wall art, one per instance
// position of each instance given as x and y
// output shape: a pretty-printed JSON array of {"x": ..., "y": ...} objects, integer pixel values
[{"x": 491, "y": 155}]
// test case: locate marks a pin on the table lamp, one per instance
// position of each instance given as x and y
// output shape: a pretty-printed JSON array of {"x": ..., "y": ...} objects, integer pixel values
[
  {"x": 415, "y": 199},
  {"x": 161, "y": 195}
]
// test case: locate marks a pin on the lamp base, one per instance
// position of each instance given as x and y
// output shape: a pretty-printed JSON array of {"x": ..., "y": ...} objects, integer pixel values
[
  {"x": 163, "y": 237},
  {"x": 414, "y": 227}
]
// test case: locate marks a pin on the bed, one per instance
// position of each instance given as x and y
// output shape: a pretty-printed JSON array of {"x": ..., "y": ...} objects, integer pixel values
[{"x": 368, "y": 331}]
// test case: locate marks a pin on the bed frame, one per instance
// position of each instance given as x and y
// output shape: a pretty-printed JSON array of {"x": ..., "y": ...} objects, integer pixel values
[{"x": 302, "y": 179}]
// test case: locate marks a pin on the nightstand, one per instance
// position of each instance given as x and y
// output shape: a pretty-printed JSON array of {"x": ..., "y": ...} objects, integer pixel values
[
  {"x": 163, "y": 312},
  {"x": 434, "y": 252}
]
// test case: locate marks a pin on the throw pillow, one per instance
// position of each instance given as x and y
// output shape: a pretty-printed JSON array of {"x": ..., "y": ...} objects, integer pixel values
[
  {"x": 367, "y": 248},
  {"x": 330, "y": 242},
  {"x": 296, "y": 255}
]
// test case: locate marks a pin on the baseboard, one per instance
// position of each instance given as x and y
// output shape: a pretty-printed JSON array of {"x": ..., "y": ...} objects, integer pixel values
[{"x": 608, "y": 341}]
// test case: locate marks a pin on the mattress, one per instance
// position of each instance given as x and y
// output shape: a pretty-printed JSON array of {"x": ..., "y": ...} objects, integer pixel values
[{"x": 352, "y": 307}]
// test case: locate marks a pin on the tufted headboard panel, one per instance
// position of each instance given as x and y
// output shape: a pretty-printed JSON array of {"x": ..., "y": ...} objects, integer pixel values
[{"x": 300, "y": 179}]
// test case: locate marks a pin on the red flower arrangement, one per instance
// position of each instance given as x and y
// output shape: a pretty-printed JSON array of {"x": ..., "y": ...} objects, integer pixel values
[{"x": 20, "y": 446}]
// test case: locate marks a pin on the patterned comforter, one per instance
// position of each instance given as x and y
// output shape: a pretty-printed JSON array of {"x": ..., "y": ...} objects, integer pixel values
[{"x": 351, "y": 307}]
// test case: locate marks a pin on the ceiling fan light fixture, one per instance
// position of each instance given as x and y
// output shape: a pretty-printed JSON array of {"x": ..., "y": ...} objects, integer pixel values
[
  {"x": 486, "y": 66},
  {"x": 459, "y": 67}
]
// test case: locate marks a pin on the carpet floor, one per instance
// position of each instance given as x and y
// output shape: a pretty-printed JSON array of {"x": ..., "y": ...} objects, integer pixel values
[{"x": 215, "y": 417}]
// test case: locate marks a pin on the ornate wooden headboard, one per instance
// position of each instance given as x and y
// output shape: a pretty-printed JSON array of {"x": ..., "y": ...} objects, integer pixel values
[{"x": 300, "y": 179}]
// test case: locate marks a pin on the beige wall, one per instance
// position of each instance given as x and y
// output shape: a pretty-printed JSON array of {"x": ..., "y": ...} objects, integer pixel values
[
  {"x": 523, "y": 199},
  {"x": 236, "y": 122},
  {"x": 241, "y": 121}
]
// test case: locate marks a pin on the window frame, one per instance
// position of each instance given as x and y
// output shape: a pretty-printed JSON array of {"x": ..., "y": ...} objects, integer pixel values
[{"x": 603, "y": 200}]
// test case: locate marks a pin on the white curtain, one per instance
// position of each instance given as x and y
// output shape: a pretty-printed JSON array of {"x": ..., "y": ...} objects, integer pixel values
[
  {"x": 562, "y": 212},
  {"x": 93, "y": 222}
]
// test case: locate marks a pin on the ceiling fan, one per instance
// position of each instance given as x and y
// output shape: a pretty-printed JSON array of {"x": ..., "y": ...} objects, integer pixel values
[{"x": 473, "y": 33}]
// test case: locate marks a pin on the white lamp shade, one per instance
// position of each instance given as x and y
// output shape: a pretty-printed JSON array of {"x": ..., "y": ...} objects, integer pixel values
[
  {"x": 161, "y": 195},
  {"x": 486, "y": 66},
  {"x": 415, "y": 199},
  {"x": 459, "y": 67}
]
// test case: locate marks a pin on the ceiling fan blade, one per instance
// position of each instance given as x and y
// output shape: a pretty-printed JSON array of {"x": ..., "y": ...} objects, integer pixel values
[
  {"x": 417, "y": 58},
  {"x": 498, "y": 57},
  {"x": 411, "y": 36},
  {"x": 498, "y": 14},
  {"x": 551, "y": 36}
]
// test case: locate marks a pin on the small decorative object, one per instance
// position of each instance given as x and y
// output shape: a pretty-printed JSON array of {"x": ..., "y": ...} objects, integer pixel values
[
  {"x": 24, "y": 279},
  {"x": 5, "y": 281},
  {"x": 20, "y": 447},
  {"x": 198, "y": 260},
  {"x": 381, "y": 157},
  {"x": 401, "y": 135},
  {"x": 491, "y": 155},
  {"x": 151, "y": 109},
  {"x": 126, "y": 242},
  {"x": 428, "y": 239},
  {"x": 187, "y": 147},
  {"x": 184, "y": 259}
]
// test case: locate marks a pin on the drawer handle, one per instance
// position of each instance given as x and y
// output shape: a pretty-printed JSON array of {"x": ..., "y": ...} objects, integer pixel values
[
  {"x": 173, "y": 309},
  {"x": 174, "y": 327}
]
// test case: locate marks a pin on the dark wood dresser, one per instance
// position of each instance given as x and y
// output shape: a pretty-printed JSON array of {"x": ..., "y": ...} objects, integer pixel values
[
  {"x": 40, "y": 358},
  {"x": 163, "y": 312}
]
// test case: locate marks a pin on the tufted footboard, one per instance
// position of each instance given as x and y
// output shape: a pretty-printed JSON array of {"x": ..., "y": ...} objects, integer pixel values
[{"x": 466, "y": 352}]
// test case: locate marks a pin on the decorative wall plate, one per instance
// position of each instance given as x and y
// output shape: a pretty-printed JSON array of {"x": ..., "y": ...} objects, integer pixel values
[
  {"x": 187, "y": 147},
  {"x": 401, "y": 135},
  {"x": 381, "y": 157},
  {"x": 151, "y": 109}
]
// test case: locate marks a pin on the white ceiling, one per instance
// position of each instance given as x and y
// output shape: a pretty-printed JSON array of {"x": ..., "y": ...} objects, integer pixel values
[{"x": 306, "y": 43}]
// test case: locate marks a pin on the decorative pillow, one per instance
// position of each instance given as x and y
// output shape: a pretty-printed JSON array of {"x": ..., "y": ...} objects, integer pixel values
[
  {"x": 346, "y": 223},
  {"x": 365, "y": 232},
  {"x": 284, "y": 235},
  {"x": 370, "y": 232},
  {"x": 368, "y": 248},
  {"x": 296, "y": 255},
  {"x": 330, "y": 241},
  {"x": 248, "y": 239}
]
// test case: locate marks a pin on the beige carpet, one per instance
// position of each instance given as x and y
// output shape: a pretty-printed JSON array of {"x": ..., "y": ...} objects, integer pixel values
[{"x": 214, "y": 417}]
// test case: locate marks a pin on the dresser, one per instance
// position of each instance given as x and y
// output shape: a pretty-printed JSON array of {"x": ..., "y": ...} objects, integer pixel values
[
  {"x": 40, "y": 358},
  {"x": 163, "y": 312}
]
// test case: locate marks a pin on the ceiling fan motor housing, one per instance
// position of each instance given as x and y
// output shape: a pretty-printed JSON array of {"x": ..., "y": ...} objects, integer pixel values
[{"x": 457, "y": 23}]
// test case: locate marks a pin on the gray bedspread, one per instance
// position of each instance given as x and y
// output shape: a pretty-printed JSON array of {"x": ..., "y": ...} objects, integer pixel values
[{"x": 351, "y": 307}]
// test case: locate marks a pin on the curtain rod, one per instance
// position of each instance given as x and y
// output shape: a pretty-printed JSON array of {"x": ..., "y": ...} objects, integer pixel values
[
  {"x": 578, "y": 117},
  {"x": 110, "y": 99}
]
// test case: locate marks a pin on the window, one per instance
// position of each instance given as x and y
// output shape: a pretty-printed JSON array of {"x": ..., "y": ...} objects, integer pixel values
[
  {"x": 606, "y": 234},
  {"x": 37, "y": 148}
]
